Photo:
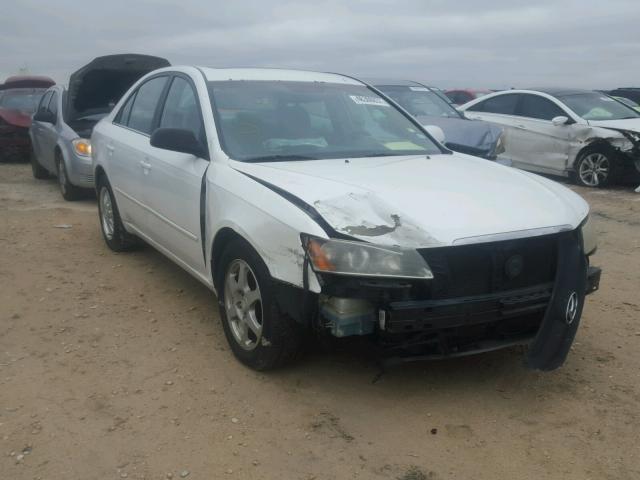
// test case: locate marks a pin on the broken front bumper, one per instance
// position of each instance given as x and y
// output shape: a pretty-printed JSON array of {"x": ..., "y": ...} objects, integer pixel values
[{"x": 540, "y": 308}]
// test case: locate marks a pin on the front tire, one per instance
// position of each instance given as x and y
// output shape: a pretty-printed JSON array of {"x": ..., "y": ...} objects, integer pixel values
[
  {"x": 113, "y": 232},
  {"x": 259, "y": 334},
  {"x": 69, "y": 191},
  {"x": 594, "y": 168},
  {"x": 39, "y": 172}
]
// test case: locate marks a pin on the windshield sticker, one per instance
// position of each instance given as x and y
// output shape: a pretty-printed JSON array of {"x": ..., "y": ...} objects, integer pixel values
[
  {"x": 362, "y": 100},
  {"x": 403, "y": 146},
  {"x": 419, "y": 89}
]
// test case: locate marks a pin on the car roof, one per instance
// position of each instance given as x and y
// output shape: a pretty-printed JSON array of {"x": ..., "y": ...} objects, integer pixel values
[
  {"x": 27, "y": 81},
  {"x": 555, "y": 92},
  {"x": 275, "y": 74},
  {"x": 392, "y": 82}
]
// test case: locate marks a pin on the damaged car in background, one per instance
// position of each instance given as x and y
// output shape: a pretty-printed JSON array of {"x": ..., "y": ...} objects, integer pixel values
[
  {"x": 582, "y": 134},
  {"x": 427, "y": 104},
  {"x": 19, "y": 97},
  {"x": 309, "y": 203},
  {"x": 61, "y": 129}
]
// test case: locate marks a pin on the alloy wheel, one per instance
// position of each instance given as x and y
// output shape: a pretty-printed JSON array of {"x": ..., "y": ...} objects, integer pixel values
[
  {"x": 62, "y": 177},
  {"x": 243, "y": 304},
  {"x": 106, "y": 213},
  {"x": 594, "y": 169}
]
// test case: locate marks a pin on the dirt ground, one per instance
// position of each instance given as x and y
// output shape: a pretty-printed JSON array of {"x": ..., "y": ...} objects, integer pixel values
[{"x": 116, "y": 366}]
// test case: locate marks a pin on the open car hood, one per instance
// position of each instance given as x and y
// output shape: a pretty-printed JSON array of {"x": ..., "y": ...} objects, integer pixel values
[
  {"x": 97, "y": 87},
  {"x": 419, "y": 201},
  {"x": 470, "y": 136},
  {"x": 631, "y": 124}
]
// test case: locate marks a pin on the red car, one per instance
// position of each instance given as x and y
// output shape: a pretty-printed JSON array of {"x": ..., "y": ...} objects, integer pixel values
[
  {"x": 19, "y": 98},
  {"x": 464, "y": 95}
]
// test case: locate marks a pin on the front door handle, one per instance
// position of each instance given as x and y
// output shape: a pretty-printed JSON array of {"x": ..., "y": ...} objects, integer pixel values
[{"x": 145, "y": 165}]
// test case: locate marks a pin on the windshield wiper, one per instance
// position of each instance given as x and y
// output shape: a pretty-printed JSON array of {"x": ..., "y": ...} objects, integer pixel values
[{"x": 278, "y": 158}]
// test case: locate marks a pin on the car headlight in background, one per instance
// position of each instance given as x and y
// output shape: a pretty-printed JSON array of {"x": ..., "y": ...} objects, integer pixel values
[
  {"x": 589, "y": 238},
  {"x": 362, "y": 259},
  {"x": 82, "y": 147}
]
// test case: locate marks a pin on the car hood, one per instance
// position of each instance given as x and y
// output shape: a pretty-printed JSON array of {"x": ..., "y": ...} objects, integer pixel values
[
  {"x": 631, "y": 124},
  {"x": 419, "y": 201},
  {"x": 16, "y": 117},
  {"x": 97, "y": 87},
  {"x": 474, "y": 134}
]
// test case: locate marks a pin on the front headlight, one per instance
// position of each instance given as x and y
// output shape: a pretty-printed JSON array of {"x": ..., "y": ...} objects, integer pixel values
[
  {"x": 82, "y": 147},
  {"x": 589, "y": 240},
  {"x": 500, "y": 144},
  {"x": 363, "y": 259}
]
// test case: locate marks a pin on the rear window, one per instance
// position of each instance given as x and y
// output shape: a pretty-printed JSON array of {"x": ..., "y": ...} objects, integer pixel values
[{"x": 502, "y": 104}]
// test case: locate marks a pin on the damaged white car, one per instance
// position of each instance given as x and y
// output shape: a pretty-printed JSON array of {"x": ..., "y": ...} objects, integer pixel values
[
  {"x": 310, "y": 204},
  {"x": 583, "y": 134}
]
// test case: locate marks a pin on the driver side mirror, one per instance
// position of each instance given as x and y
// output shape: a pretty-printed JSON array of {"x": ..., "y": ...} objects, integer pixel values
[
  {"x": 44, "y": 116},
  {"x": 559, "y": 120},
  {"x": 178, "y": 140}
]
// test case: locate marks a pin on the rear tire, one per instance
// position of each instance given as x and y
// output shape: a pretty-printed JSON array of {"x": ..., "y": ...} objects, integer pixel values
[
  {"x": 39, "y": 172},
  {"x": 594, "y": 168},
  {"x": 69, "y": 191},
  {"x": 259, "y": 334},
  {"x": 113, "y": 232}
]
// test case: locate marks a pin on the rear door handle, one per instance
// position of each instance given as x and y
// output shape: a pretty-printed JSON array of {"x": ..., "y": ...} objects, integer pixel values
[
  {"x": 145, "y": 165},
  {"x": 521, "y": 126},
  {"x": 110, "y": 149}
]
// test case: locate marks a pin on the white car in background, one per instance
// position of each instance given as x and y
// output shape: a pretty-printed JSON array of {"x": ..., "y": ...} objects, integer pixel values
[
  {"x": 311, "y": 204},
  {"x": 584, "y": 134}
]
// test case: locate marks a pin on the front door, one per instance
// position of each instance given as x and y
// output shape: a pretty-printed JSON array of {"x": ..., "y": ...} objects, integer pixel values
[
  {"x": 175, "y": 180},
  {"x": 542, "y": 146}
]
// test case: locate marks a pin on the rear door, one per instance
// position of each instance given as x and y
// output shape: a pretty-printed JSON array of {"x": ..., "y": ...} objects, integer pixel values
[
  {"x": 49, "y": 134},
  {"x": 127, "y": 150},
  {"x": 501, "y": 110},
  {"x": 542, "y": 146},
  {"x": 174, "y": 182},
  {"x": 37, "y": 129}
]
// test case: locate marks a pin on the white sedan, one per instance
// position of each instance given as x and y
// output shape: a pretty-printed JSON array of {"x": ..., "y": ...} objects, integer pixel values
[
  {"x": 584, "y": 134},
  {"x": 309, "y": 203}
]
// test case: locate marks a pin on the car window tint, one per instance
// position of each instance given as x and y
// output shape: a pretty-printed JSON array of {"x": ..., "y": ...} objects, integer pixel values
[
  {"x": 123, "y": 115},
  {"x": 145, "y": 103},
  {"x": 534, "y": 106},
  {"x": 53, "y": 103},
  {"x": 181, "y": 108},
  {"x": 503, "y": 104},
  {"x": 45, "y": 101}
]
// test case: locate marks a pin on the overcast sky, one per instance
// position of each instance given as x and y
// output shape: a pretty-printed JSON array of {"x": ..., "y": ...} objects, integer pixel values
[{"x": 466, "y": 43}]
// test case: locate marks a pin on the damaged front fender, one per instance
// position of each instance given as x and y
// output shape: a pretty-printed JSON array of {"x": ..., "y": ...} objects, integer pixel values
[{"x": 367, "y": 217}]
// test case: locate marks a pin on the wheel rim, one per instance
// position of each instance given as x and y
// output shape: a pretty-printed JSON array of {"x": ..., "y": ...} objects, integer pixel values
[
  {"x": 594, "y": 169},
  {"x": 62, "y": 177},
  {"x": 243, "y": 304},
  {"x": 106, "y": 213}
]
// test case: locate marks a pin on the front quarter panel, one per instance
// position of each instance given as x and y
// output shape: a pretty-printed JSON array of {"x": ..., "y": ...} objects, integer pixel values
[{"x": 269, "y": 222}]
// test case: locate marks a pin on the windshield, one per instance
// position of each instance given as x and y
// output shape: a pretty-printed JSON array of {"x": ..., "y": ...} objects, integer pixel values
[
  {"x": 420, "y": 101},
  {"x": 23, "y": 99},
  {"x": 279, "y": 120},
  {"x": 596, "y": 106}
]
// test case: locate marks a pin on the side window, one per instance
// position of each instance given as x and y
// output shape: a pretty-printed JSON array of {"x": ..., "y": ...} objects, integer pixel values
[
  {"x": 145, "y": 103},
  {"x": 45, "y": 101},
  {"x": 534, "y": 106},
  {"x": 181, "y": 108},
  {"x": 503, "y": 104},
  {"x": 123, "y": 115},
  {"x": 53, "y": 103}
]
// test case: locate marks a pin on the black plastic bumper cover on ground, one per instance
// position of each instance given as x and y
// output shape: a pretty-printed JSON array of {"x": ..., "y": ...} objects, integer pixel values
[{"x": 551, "y": 345}]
